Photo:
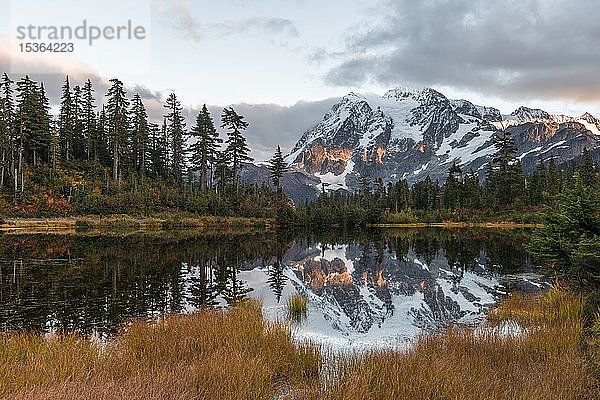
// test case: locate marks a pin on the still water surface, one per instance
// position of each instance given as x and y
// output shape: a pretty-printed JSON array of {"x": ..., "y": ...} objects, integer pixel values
[{"x": 371, "y": 288}]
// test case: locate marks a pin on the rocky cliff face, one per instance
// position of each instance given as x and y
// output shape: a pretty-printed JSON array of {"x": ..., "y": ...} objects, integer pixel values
[{"x": 409, "y": 134}]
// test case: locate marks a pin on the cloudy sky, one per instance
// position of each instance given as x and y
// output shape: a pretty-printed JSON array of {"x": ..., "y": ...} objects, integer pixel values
[{"x": 284, "y": 63}]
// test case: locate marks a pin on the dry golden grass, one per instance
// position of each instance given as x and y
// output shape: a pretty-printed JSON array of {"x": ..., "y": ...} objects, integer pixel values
[
  {"x": 237, "y": 355},
  {"x": 545, "y": 361},
  {"x": 208, "y": 355}
]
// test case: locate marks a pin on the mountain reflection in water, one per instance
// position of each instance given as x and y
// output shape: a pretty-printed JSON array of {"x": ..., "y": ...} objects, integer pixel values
[{"x": 371, "y": 288}]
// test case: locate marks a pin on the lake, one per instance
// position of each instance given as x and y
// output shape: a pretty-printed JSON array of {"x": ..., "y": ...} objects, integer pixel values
[{"x": 371, "y": 288}]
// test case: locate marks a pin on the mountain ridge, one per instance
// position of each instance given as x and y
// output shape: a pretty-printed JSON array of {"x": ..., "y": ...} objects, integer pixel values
[{"x": 411, "y": 133}]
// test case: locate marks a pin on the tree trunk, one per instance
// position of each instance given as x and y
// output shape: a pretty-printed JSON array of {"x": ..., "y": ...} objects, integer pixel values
[
  {"x": 116, "y": 161},
  {"x": 21, "y": 164},
  {"x": 3, "y": 168},
  {"x": 203, "y": 175}
]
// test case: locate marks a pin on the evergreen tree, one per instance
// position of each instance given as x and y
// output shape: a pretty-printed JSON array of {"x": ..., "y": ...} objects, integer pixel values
[
  {"x": 452, "y": 194},
  {"x": 154, "y": 159},
  {"x": 66, "y": 123},
  {"x": 90, "y": 135},
  {"x": 158, "y": 151},
  {"x": 175, "y": 130},
  {"x": 277, "y": 167},
  {"x": 537, "y": 184},
  {"x": 204, "y": 150},
  {"x": 25, "y": 125},
  {"x": 139, "y": 134},
  {"x": 425, "y": 194},
  {"x": 586, "y": 169},
  {"x": 236, "y": 150},
  {"x": 507, "y": 178},
  {"x": 399, "y": 196},
  {"x": 117, "y": 123},
  {"x": 569, "y": 241},
  {"x": 100, "y": 148},
  {"x": 223, "y": 173},
  {"x": 554, "y": 181},
  {"x": 472, "y": 196},
  {"x": 7, "y": 120},
  {"x": 33, "y": 122},
  {"x": 54, "y": 145},
  {"x": 78, "y": 141},
  {"x": 41, "y": 138}
]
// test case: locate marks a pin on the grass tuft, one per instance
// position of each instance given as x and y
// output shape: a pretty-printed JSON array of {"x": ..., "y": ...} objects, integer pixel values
[{"x": 297, "y": 307}]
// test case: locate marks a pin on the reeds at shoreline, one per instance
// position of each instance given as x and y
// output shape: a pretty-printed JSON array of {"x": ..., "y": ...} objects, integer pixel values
[{"x": 236, "y": 354}]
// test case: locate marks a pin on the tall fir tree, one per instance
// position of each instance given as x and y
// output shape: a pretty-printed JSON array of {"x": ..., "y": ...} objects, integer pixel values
[
  {"x": 277, "y": 167},
  {"x": 25, "y": 127},
  {"x": 78, "y": 139},
  {"x": 237, "y": 149},
  {"x": 100, "y": 150},
  {"x": 204, "y": 150},
  {"x": 139, "y": 134},
  {"x": 117, "y": 122},
  {"x": 66, "y": 124},
  {"x": 176, "y": 132},
  {"x": 453, "y": 188},
  {"x": 7, "y": 120},
  {"x": 157, "y": 152},
  {"x": 89, "y": 121},
  {"x": 33, "y": 121},
  {"x": 42, "y": 136},
  {"x": 507, "y": 177},
  {"x": 537, "y": 184}
]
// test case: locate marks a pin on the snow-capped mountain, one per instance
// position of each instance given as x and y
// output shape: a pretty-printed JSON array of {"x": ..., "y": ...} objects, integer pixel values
[{"x": 409, "y": 134}]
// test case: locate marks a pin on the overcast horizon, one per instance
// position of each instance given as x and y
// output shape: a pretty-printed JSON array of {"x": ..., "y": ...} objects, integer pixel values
[{"x": 284, "y": 63}]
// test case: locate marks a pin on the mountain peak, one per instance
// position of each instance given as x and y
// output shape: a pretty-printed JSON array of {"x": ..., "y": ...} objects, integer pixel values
[
  {"x": 528, "y": 114},
  {"x": 589, "y": 118},
  {"x": 424, "y": 95},
  {"x": 401, "y": 93},
  {"x": 352, "y": 96}
]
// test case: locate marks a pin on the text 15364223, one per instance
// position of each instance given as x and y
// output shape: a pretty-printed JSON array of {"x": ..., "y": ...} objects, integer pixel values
[{"x": 58, "y": 47}]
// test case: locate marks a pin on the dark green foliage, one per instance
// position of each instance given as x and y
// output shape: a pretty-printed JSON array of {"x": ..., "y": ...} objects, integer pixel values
[
  {"x": 117, "y": 115},
  {"x": 587, "y": 170},
  {"x": 237, "y": 150},
  {"x": 66, "y": 122},
  {"x": 205, "y": 149},
  {"x": 7, "y": 129},
  {"x": 90, "y": 128},
  {"x": 139, "y": 135},
  {"x": 569, "y": 241},
  {"x": 175, "y": 125},
  {"x": 277, "y": 167},
  {"x": 63, "y": 166},
  {"x": 504, "y": 180}
]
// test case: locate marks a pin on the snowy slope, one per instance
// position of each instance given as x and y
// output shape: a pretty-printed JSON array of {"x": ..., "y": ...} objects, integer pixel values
[{"x": 412, "y": 133}]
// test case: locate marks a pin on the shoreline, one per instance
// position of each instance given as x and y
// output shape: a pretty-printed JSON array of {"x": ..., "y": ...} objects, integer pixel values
[
  {"x": 130, "y": 223},
  {"x": 160, "y": 223},
  {"x": 451, "y": 224}
]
